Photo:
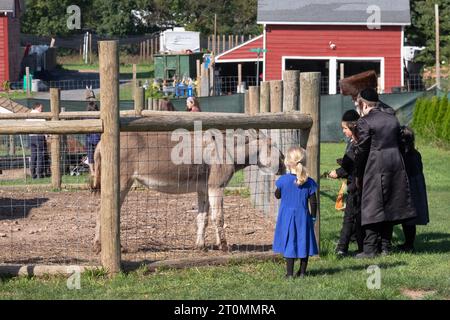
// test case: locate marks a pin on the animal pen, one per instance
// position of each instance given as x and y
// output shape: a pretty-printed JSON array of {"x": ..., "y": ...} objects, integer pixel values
[{"x": 45, "y": 229}]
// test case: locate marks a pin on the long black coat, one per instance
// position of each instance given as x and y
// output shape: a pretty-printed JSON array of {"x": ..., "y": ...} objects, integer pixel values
[
  {"x": 386, "y": 194},
  {"x": 414, "y": 169}
]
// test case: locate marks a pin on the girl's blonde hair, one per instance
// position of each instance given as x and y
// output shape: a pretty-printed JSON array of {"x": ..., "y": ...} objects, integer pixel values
[{"x": 296, "y": 163}]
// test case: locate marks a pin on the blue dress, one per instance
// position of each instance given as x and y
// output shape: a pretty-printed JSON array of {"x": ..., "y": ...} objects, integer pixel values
[{"x": 294, "y": 232}]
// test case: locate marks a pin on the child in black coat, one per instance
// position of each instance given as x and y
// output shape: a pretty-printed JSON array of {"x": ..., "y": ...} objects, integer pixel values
[
  {"x": 414, "y": 169},
  {"x": 352, "y": 215}
]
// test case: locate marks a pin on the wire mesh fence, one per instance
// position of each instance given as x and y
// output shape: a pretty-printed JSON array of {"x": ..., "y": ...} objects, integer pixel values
[{"x": 39, "y": 225}]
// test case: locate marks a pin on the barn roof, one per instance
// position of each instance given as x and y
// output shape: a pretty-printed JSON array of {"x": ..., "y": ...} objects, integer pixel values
[
  {"x": 10, "y": 5},
  {"x": 333, "y": 12},
  {"x": 242, "y": 52},
  {"x": 12, "y": 107}
]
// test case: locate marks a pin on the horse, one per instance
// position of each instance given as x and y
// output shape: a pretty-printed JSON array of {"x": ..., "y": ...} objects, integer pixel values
[{"x": 148, "y": 158}]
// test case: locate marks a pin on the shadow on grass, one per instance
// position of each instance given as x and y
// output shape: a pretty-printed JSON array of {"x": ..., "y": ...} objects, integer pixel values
[
  {"x": 361, "y": 267},
  {"x": 433, "y": 242},
  {"x": 13, "y": 209}
]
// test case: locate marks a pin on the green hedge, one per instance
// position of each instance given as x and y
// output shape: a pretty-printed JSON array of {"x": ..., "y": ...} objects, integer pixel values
[{"x": 431, "y": 118}]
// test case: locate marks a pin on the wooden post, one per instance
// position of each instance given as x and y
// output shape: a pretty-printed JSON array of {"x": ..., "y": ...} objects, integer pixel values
[
  {"x": 310, "y": 104},
  {"x": 209, "y": 43},
  {"x": 12, "y": 146},
  {"x": 253, "y": 100},
  {"x": 148, "y": 51},
  {"x": 438, "y": 63},
  {"x": 55, "y": 95},
  {"x": 150, "y": 104},
  {"x": 290, "y": 103},
  {"x": 205, "y": 84},
  {"x": 110, "y": 149},
  {"x": 247, "y": 102},
  {"x": 139, "y": 100},
  {"x": 276, "y": 96},
  {"x": 28, "y": 81},
  {"x": 291, "y": 90},
  {"x": 134, "y": 82},
  {"x": 230, "y": 42},
  {"x": 265, "y": 97},
  {"x": 152, "y": 48},
  {"x": 239, "y": 89},
  {"x": 198, "y": 65},
  {"x": 224, "y": 43},
  {"x": 155, "y": 104},
  {"x": 218, "y": 44},
  {"x": 90, "y": 48}
]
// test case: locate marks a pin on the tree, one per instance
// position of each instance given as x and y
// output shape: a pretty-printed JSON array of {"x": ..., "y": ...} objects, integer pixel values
[{"x": 422, "y": 29}]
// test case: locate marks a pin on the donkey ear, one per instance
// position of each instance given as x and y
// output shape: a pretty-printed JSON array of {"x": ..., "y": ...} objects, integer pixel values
[
  {"x": 90, "y": 88},
  {"x": 87, "y": 88}
]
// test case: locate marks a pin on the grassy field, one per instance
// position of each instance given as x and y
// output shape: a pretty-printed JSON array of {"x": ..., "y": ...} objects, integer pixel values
[{"x": 424, "y": 275}]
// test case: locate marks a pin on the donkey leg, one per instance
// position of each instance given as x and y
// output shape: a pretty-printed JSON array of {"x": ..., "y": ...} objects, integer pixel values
[
  {"x": 202, "y": 219},
  {"x": 217, "y": 217}
]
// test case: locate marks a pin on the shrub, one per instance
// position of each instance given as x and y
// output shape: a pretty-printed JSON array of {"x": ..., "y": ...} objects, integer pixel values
[
  {"x": 445, "y": 130},
  {"x": 418, "y": 110},
  {"x": 440, "y": 115},
  {"x": 428, "y": 128}
]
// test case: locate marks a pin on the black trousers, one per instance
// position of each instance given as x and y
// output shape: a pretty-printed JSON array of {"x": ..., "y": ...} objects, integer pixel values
[
  {"x": 38, "y": 161},
  {"x": 376, "y": 231},
  {"x": 351, "y": 224}
]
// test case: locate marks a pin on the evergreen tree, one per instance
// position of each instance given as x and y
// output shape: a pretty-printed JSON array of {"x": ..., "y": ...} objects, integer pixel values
[
  {"x": 416, "y": 114},
  {"x": 428, "y": 128},
  {"x": 446, "y": 126}
]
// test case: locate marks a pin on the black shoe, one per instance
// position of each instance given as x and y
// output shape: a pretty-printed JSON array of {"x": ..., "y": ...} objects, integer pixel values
[
  {"x": 404, "y": 248},
  {"x": 385, "y": 253},
  {"x": 300, "y": 275},
  {"x": 364, "y": 255}
]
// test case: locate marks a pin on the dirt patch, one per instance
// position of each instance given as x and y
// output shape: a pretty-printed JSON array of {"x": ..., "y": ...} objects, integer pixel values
[
  {"x": 58, "y": 228},
  {"x": 417, "y": 294}
]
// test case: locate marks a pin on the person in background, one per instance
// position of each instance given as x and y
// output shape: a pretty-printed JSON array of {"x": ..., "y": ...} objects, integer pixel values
[
  {"x": 166, "y": 105},
  {"x": 38, "y": 145},
  {"x": 193, "y": 105},
  {"x": 294, "y": 234},
  {"x": 414, "y": 169},
  {"x": 352, "y": 215},
  {"x": 92, "y": 140}
]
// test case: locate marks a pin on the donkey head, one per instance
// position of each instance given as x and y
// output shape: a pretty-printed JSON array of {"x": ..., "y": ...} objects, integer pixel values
[
  {"x": 90, "y": 94},
  {"x": 268, "y": 157}
]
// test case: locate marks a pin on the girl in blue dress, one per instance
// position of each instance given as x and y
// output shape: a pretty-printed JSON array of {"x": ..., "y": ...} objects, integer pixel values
[{"x": 294, "y": 233}]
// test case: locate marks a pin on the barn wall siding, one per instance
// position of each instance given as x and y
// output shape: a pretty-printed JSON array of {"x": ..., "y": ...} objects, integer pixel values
[
  {"x": 351, "y": 41},
  {"x": 4, "y": 63},
  {"x": 244, "y": 51}
]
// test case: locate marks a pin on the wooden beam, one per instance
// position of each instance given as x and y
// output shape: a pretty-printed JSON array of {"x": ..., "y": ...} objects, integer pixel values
[
  {"x": 57, "y": 127},
  {"x": 168, "y": 121}
]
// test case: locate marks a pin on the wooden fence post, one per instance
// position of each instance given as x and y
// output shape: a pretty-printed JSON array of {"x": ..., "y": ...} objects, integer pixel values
[
  {"x": 139, "y": 100},
  {"x": 290, "y": 103},
  {"x": 276, "y": 105},
  {"x": 55, "y": 95},
  {"x": 310, "y": 104},
  {"x": 28, "y": 81},
  {"x": 239, "y": 88},
  {"x": 265, "y": 97},
  {"x": 110, "y": 150},
  {"x": 134, "y": 82}
]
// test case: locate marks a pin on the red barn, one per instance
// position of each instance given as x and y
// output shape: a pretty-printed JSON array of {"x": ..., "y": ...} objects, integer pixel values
[
  {"x": 10, "y": 52},
  {"x": 334, "y": 37}
]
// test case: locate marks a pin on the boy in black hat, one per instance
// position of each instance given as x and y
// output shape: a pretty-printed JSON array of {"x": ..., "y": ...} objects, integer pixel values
[{"x": 352, "y": 214}]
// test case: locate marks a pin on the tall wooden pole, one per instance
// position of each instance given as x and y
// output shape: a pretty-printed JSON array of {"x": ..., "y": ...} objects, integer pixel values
[
  {"x": 139, "y": 100},
  {"x": 28, "y": 81},
  {"x": 438, "y": 63},
  {"x": 310, "y": 139},
  {"x": 215, "y": 35},
  {"x": 134, "y": 82},
  {"x": 55, "y": 95},
  {"x": 110, "y": 150}
]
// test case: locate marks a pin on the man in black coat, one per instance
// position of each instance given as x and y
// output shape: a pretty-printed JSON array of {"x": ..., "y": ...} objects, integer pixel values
[{"x": 381, "y": 174}]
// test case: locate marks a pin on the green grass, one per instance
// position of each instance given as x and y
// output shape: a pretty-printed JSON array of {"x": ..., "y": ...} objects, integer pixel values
[
  {"x": 144, "y": 71},
  {"x": 16, "y": 95},
  {"x": 66, "y": 179},
  {"x": 330, "y": 278}
]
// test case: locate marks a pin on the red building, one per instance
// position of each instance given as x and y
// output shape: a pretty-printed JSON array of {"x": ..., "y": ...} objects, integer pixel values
[
  {"x": 10, "y": 52},
  {"x": 334, "y": 37}
]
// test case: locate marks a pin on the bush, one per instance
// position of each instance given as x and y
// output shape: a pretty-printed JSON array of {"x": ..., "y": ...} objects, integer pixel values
[
  {"x": 445, "y": 131},
  {"x": 418, "y": 110},
  {"x": 432, "y": 110},
  {"x": 440, "y": 115}
]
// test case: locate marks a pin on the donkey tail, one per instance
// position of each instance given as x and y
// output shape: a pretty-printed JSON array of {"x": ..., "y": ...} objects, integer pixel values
[{"x": 96, "y": 175}]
